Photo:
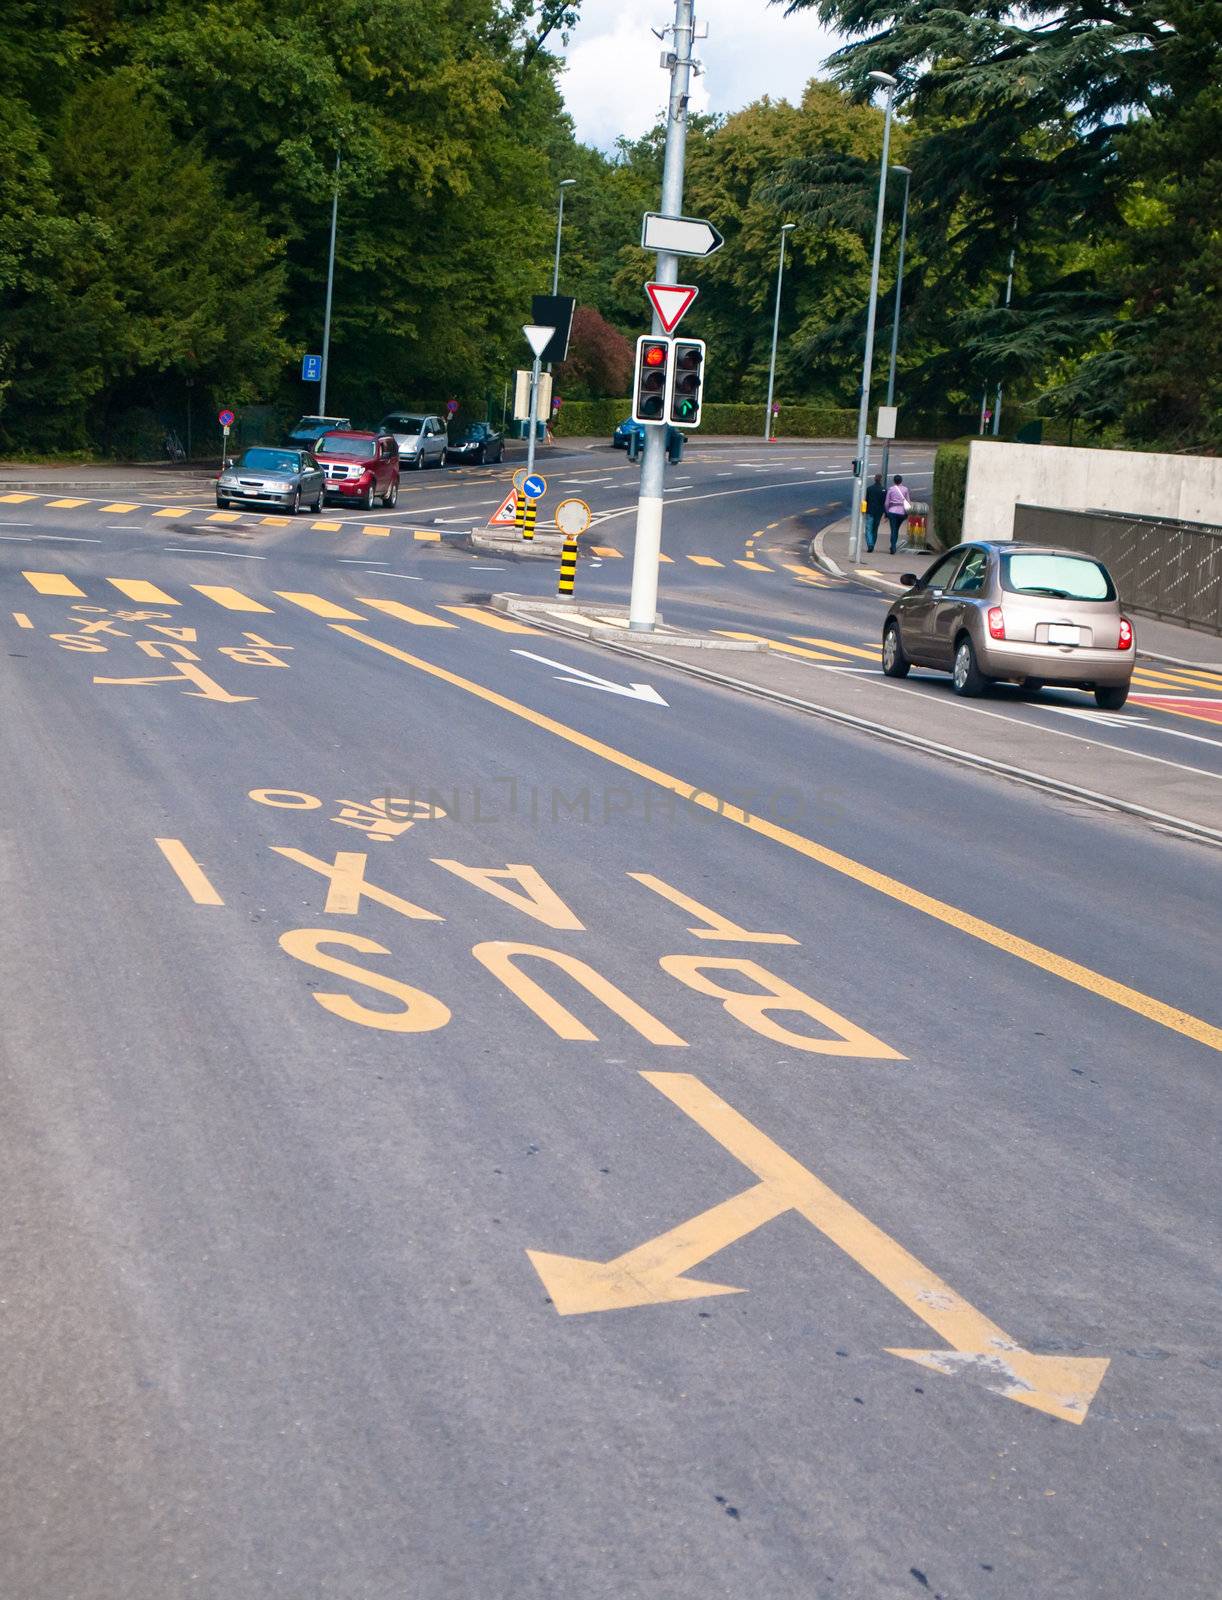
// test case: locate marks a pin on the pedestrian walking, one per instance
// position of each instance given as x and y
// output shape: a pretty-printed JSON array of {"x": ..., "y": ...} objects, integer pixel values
[
  {"x": 876, "y": 501},
  {"x": 898, "y": 504}
]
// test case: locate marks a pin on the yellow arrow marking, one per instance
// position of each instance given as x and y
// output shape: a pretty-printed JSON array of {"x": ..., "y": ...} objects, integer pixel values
[{"x": 653, "y": 1273}]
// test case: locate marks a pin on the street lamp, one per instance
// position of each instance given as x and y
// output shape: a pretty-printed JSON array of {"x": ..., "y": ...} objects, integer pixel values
[
  {"x": 895, "y": 317},
  {"x": 786, "y": 227},
  {"x": 326, "y": 322},
  {"x": 863, "y": 410},
  {"x": 565, "y": 183}
]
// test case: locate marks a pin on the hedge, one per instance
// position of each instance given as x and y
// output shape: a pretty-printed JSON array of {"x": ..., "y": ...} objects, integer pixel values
[
  {"x": 592, "y": 418},
  {"x": 949, "y": 489}
]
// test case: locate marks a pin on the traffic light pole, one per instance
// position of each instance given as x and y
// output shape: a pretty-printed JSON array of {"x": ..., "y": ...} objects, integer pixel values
[{"x": 643, "y": 605}]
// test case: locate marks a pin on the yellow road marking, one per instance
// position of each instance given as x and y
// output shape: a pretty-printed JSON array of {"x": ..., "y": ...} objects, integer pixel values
[
  {"x": 704, "y": 561},
  {"x": 490, "y": 619},
  {"x": 319, "y": 606},
  {"x": 427, "y": 536},
  {"x": 231, "y": 599},
  {"x": 871, "y": 654},
  {"x": 22, "y": 621},
  {"x": 653, "y": 1273},
  {"x": 775, "y": 644},
  {"x": 16, "y": 499},
  {"x": 66, "y": 505},
  {"x": 140, "y": 589},
  {"x": 1175, "y": 711},
  {"x": 1182, "y": 680},
  {"x": 752, "y": 566},
  {"x": 173, "y": 511},
  {"x": 669, "y": 560},
  {"x": 190, "y": 874},
  {"x": 606, "y": 551},
  {"x": 376, "y": 533},
  {"x": 225, "y": 516},
  {"x": 52, "y": 583},
  {"x": 327, "y": 527},
  {"x": 1203, "y": 677},
  {"x": 396, "y": 608},
  {"x": 1070, "y": 971},
  {"x": 275, "y": 522},
  {"x": 121, "y": 505}
]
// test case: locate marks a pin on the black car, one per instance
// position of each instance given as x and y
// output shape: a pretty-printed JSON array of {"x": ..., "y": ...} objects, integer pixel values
[{"x": 479, "y": 442}]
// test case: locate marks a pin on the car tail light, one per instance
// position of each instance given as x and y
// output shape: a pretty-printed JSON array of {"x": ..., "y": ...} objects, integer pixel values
[
  {"x": 997, "y": 623},
  {"x": 1125, "y": 641}
]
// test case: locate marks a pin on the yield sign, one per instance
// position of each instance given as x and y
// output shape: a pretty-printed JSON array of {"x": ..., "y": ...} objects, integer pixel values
[
  {"x": 503, "y": 516},
  {"x": 537, "y": 337},
  {"x": 670, "y": 301}
]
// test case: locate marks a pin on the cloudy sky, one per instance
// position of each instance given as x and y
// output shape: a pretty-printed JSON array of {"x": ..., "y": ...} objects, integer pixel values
[{"x": 614, "y": 84}]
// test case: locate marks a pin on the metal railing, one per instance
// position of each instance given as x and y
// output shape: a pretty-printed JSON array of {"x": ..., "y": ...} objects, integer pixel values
[{"x": 1161, "y": 567}]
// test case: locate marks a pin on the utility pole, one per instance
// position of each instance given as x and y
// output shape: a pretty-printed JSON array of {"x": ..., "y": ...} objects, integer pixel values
[
  {"x": 895, "y": 315},
  {"x": 326, "y": 323},
  {"x": 786, "y": 227},
  {"x": 1009, "y": 287},
  {"x": 565, "y": 183},
  {"x": 863, "y": 408},
  {"x": 643, "y": 604}
]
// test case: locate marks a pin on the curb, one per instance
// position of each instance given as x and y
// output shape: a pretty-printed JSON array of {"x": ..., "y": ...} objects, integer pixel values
[{"x": 1195, "y": 831}]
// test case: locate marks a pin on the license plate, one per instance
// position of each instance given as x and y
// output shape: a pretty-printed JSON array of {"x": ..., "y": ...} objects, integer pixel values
[{"x": 1061, "y": 633}]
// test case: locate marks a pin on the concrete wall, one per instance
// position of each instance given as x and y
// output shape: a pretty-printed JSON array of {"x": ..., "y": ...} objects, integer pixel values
[{"x": 1135, "y": 481}]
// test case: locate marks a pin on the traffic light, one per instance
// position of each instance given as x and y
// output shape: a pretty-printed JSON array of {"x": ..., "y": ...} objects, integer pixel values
[
  {"x": 651, "y": 380},
  {"x": 687, "y": 385}
]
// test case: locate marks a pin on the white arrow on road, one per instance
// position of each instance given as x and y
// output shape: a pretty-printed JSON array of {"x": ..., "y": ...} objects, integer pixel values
[{"x": 589, "y": 680}]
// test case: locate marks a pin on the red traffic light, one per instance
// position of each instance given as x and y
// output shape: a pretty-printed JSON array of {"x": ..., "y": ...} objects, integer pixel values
[{"x": 655, "y": 355}]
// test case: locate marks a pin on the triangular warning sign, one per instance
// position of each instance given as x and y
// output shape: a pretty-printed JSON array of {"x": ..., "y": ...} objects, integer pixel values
[
  {"x": 503, "y": 516},
  {"x": 670, "y": 301}
]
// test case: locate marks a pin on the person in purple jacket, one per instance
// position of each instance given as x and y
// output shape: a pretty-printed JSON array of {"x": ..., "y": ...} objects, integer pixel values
[{"x": 898, "y": 505}]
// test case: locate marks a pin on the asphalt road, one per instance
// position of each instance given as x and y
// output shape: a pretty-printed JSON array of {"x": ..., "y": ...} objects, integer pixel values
[{"x": 372, "y": 1190}]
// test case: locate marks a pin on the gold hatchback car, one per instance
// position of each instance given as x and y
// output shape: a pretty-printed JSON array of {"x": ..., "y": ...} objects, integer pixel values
[{"x": 993, "y": 611}]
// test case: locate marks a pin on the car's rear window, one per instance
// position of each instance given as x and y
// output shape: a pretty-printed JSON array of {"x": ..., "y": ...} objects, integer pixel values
[
  {"x": 259, "y": 460},
  {"x": 343, "y": 444},
  {"x": 1058, "y": 577},
  {"x": 403, "y": 424}
]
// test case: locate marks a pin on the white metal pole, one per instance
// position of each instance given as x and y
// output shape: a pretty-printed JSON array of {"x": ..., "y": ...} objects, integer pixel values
[
  {"x": 534, "y": 415},
  {"x": 643, "y": 603},
  {"x": 895, "y": 315},
  {"x": 565, "y": 183},
  {"x": 776, "y": 323},
  {"x": 326, "y": 322},
  {"x": 863, "y": 408}
]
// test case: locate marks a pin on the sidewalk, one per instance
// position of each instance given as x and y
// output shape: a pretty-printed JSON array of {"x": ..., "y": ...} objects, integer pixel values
[
  {"x": 1156, "y": 641},
  {"x": 108, "y": 477}
]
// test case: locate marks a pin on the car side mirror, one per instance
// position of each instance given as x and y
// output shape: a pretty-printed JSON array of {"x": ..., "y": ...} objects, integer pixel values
[{"x": 909, "y": 580}]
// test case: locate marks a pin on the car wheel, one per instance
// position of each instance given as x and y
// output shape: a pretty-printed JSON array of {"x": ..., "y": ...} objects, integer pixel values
[
  {"x": 221, "y": 505},
  {"x": 482, "y": 458},
  {"x": 316, "y": 507},
  {"x": 442, "y": 458},
  {"x": 1031, "y": 685},
  {"x": 1112, "y": 697},
  {"x": 966, "y": 676},
  {"x": 391, "y": 495},
  {"x": 895, "y": 662},
  {"x": 419, "y": 460},
  {"x": 294, "y": 505},
  {"x": 368, "y": 501}
]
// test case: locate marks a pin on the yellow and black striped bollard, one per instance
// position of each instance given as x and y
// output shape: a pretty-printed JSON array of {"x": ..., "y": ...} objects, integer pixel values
[
  {"x": 568, "y": 566},
  {"x": 528, "y": 527},
  {"x": 519, "y": 510}
]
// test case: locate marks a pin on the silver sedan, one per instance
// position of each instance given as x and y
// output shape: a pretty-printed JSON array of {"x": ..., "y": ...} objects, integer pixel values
[{"x": 270, "y": 476}]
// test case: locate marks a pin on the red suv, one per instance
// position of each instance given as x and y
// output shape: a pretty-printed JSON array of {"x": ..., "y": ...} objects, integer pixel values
[{"x": 358, "y": 466}]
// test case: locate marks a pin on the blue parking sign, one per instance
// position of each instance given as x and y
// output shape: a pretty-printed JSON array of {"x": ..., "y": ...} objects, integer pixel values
[{"x": 311, "y": 369}]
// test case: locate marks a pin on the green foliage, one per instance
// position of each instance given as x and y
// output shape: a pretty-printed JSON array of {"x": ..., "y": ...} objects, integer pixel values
[{"x": 948, "y": 494}]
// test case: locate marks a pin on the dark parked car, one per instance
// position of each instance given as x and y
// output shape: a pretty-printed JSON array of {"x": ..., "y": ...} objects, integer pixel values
[
  {"x": 307, "y": 431},
  {"x": 359, "y": 466},
  {"x": 627, "y": 428},
  {"x": 479, "y": 442},
  {"x": 269, "y": 475}
]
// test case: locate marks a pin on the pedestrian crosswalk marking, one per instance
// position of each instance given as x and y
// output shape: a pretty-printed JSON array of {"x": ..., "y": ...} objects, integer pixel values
[
  {"x": 606, "y": 551},
  {"x": 173, "y": 511},
  {"x": 327, "y": 527},
  {"x": 871, "y": 654},
  {"x": 225, "y": 516},
  {"x": 427, "y": 536},
  {"x": 319, "y": 606},
  {"x": 65, "y": 505},
  {"x": 15, "y": 499},
  {"x": 52, "y": 583},
  {"x": 396, "y": 608},
  {"x": 232, "y": 599},
  {"x": 490, "y": 619},
  {"x": 704, "y": 561},
  {"x": 375, "y": 532},
  {"x": 120, "y": 505},
  {"x": 140, "y": 589}
]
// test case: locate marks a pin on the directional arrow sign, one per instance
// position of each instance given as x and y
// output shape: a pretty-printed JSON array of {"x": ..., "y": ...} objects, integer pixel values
[
  {"x": 681, "y": 236},
  {"x": 670, "y": 301},
  {"x": 653, "y": 1273},
  {"x": 588, "y": 680},
  {"x": 537, "y": 337}
]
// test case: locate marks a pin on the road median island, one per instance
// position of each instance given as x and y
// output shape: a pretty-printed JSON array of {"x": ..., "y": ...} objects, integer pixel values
[{"x": 1071, "y": 765}]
